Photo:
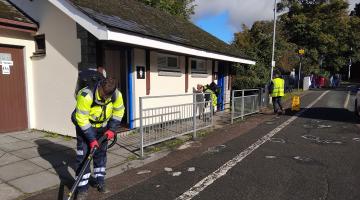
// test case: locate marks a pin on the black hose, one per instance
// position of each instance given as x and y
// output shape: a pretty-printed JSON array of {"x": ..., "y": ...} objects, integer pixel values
[{"x": 112, "y": 142}]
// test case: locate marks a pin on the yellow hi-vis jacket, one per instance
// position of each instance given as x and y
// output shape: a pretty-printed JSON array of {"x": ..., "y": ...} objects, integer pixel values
[
  {"x": 91, "y": 113},
  {"x": 279, "y": 85},
  {"x": 213, "y": 97}
]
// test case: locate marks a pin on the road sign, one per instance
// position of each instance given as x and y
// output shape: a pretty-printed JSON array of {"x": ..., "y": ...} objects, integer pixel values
[{"x": 301, "y": 51}]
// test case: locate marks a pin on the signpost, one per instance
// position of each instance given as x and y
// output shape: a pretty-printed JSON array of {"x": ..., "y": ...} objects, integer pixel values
[{"x": 301, "y": 53}]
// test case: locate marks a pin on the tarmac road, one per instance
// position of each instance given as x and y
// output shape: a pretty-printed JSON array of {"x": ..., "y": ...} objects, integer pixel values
[{"x": 311, "y": 156}]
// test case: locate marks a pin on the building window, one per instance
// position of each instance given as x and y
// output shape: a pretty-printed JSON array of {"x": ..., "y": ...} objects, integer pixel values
[
  {"x": 168, "y": 63},
  {"x": 40, "y": 49},
  {"x": 198, "y": 66}
]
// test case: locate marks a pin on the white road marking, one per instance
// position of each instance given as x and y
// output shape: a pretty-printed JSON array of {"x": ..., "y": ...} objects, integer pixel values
[
  {"x": 210, "y": 179},
  {"x": 346, "y": 103}
]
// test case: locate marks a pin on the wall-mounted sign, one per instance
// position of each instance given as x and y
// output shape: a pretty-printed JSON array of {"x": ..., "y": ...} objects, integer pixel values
[
  {"x": 140, "y": 72},
  {"x": 5, "y": 62},
  {"x": 5, "y": 66}
]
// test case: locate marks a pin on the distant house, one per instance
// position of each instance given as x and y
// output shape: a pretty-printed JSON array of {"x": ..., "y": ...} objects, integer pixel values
[{"x": 148, "y": 51}]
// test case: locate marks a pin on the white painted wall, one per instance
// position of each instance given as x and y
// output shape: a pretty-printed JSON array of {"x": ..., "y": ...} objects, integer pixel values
[
  {"x": 54, "y": 75},
  {"x": 10, "y": 37},
  {"x": 165, "y": 85}
]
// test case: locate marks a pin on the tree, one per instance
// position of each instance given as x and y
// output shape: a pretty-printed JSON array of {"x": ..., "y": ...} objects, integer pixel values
[
  {"x": 321, "y": 27},
  {"x": 181, "y": 8},
  {"x": 356, "y": 11},
  {"x": 257, "y": 43}
]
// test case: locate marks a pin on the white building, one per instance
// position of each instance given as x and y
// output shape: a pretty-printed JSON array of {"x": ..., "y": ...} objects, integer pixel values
[{"x": 148, "y": 51}]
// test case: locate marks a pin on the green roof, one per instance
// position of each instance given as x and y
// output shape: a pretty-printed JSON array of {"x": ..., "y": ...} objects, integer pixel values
[
  {"x": 8, "y": 11},
  {"x": 131, "y": 16}
]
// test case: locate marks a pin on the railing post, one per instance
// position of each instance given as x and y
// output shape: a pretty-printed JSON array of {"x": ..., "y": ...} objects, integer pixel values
[
  {"x": 259, "y": 99},
  {"x": 242, "y": 104},
  {"x": 212, "y": 110},
  {"x": 194, "y": 115},
  {"x": 141, "y": 128},
  {"x": 232, "y": 106}
]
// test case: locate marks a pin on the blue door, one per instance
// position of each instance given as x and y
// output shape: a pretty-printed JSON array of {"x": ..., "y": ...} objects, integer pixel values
[{"x": 221, "y": 85}]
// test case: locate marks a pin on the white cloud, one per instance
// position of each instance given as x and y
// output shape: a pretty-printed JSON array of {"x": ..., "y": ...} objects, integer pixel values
[{"x": 240, "y": 11}]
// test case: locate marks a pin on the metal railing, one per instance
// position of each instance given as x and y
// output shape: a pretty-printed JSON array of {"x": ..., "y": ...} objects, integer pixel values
[
  {"x": 171, "y": 120},
  {"x": 247, "y": 102}
]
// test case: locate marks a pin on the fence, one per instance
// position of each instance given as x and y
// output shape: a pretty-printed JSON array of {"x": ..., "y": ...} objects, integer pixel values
[
  {"x": 171, "y": 118},
  {"x": 247, "y": 102}
]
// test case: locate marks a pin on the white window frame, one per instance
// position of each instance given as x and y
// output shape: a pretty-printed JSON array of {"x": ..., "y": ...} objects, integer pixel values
[
  {"x": 198, "y": 71},
  {"x": 166, "y": 67}
]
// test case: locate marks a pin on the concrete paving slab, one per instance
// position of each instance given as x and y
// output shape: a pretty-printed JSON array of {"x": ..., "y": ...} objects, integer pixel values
[
  {"x": 114, "y": 160},
  {"x": 16, "y": 146},
  {"x": 31, "y": 152},
  {"x": 43, "y": 180},
  {"x": 46, "y": 140},
  {"x": 8, "y": 158},
  {"x": 42, "y": 162},
  {"x": 65, "y": 173},
  {"x": 8, "y": 193},
  {"x": 6, "y": 139},
  {"x": 57, "y": 159},
  {"x": 121, "y": 152},
  {"x": 28, "y": 135},
  {"x": 18, "y": 169},
  {"x": 69, "y": 144}
]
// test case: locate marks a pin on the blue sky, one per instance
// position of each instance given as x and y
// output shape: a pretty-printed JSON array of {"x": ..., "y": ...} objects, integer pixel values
[
  {"x": 218, "y": 26},
  {"x": 222, "y": 18}
]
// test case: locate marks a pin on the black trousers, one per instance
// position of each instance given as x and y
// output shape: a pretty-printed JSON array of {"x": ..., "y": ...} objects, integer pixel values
[
  {"x": 277, "y": 104},
  {"x": 99, "y": 159}
]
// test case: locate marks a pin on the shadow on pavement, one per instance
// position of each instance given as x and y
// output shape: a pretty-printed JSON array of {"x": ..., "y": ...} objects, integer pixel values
[
  {"x": 329, "y": 114},
  {"x": 61, "y": 158}
]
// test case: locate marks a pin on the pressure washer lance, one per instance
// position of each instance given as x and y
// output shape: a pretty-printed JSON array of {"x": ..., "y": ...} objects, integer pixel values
[{"x": 86, "y": 164}]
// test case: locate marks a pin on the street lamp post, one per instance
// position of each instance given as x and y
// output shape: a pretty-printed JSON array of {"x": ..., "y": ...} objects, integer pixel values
[
  {"x": 273, "y": 49},
  {"x": 273, "y": 45},
  {"x": 350, "y": 63}
]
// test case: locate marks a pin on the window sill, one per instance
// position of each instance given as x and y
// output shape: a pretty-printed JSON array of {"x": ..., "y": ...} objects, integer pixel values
[
  {"x": 199, "y": 75},
  {"x": 168, "y": 73}
]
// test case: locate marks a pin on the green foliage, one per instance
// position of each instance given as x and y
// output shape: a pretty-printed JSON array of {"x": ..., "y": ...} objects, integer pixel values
[
  {"x": 181, "y": 8},
  {"x": 250, "y": 76},
  {"x": 356, "y": 11},
  {"x": 323, "y": 28}
]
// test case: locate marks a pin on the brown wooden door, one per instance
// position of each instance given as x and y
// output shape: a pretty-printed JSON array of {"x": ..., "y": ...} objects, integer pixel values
[
  {"x": 115, "y": 66},
  {"x": 13, "y": 112}
]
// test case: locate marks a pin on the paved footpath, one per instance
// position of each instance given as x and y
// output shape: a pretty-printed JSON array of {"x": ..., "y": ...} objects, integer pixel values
[{"x": 33, "y": 161}]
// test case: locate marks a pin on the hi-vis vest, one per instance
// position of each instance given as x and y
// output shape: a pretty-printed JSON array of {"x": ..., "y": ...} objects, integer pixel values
[
  {"x": 91, "y": 113},
  {"x": 279, "y": 85},
  {"x": 213, "y": 97}
]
